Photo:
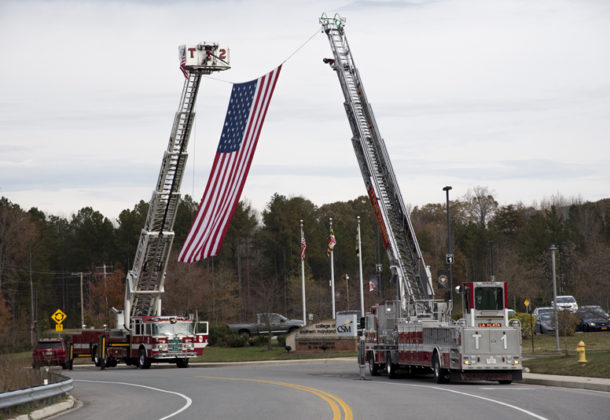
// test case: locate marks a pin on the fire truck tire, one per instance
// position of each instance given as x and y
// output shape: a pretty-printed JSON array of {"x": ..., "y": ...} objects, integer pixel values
[
  {"x": 94, "y": 357},
  {"x": 143, "y": 361},
  {"x": 182, "y": 363},
  {"x": 373, "y": 369},
  {"x": 440, "y": 375},
  {"x": 390, "y": 367}
]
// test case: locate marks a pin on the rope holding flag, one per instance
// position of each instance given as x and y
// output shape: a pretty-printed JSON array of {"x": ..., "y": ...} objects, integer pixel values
[{"x": 243, "y": 123}]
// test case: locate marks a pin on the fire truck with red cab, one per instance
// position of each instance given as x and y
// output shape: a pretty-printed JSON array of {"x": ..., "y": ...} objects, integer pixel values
[
  {"x": 142, "y": 334},
  {"x": 415, "y": 332}
]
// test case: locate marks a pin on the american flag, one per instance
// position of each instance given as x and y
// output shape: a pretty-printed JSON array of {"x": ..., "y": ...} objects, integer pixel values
[
  {"x": 243, "y": 123},
  {"x": 182, "y": 51},
  {"x": 331, "y": 242},
  {"x": 303, "y": 246}
]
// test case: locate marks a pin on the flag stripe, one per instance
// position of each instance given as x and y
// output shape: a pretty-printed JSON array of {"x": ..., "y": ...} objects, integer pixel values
[{"x": 230, "y": 168}]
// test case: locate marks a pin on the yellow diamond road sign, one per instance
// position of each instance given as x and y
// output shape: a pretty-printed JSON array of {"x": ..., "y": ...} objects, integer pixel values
[
  {"x": 59, "y": 316},
  {"x": 527, "y": 302}
]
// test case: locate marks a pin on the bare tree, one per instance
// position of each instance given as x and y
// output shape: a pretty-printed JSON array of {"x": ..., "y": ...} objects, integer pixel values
[{"x": 481, "y": 204}]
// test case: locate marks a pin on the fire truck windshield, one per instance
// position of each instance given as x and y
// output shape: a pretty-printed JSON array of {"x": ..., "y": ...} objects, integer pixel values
[
  {"x": 489, "y": 298},
  {"x": 171, "y": 330}
]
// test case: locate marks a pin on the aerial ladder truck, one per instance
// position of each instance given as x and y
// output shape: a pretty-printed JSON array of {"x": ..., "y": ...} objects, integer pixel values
[
  {"x": 142, "y": 334},
  {"x": 415, "y": 332}
]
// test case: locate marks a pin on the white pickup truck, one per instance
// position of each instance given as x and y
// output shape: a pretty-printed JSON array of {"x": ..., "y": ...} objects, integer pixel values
[{"x": 265, "y": 323}]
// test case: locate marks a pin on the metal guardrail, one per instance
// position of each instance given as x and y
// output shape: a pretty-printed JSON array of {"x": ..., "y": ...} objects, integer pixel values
[{"x": 29, "y": 395}]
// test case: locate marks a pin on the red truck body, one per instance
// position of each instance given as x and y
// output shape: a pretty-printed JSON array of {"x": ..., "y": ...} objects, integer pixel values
[{"x": 152, "y": 339}]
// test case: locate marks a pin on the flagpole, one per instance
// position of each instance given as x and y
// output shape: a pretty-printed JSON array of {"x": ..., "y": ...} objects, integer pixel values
[
  {"x": 332, "y": 274},
  {"x": 360, "y": 266},
  {"x": 303, "y": 274}
]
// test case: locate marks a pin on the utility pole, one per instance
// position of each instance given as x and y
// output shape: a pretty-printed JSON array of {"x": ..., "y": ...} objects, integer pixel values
[
  {"x": 82, "y": 308},
  {"x": 553, "y": 249},
  {"x": 33, "y": 315}
]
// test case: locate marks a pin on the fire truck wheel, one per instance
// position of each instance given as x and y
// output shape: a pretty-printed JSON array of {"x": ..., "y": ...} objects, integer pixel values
[
  {"x": 440, "y": 375},
  {"x": 143, "y": 361},
  {"x": 390, "y": 367},
  {"x": 95, "y": 358},
  {"x": 373, "y": 370},
  {"x": 182, "y": 363}
]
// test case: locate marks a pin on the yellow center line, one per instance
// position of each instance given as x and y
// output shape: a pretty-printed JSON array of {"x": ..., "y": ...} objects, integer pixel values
[{"x": 332, "y": 400}]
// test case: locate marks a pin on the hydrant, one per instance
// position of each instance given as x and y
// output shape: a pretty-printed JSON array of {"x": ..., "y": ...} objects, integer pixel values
[{"x": 580, "y": 349}]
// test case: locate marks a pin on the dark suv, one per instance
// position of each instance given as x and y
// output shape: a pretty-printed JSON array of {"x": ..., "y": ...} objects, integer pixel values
[{"x": 50, "y": 352}]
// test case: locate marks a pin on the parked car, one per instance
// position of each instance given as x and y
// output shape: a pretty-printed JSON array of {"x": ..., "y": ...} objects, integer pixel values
[
  {"x": 597, "y": 309},
  {"x": 566, "y": 302},
  {"x": 593, "y": 320},
  {"x": 542, "y": 309},
  {"x": 50, "y": 352},
  {"x": 278, "y": 324},
  {"x": 544, "y": 323}
]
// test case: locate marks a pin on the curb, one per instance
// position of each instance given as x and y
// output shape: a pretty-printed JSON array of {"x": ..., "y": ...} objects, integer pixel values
[
  {"x": 578, "y": 382},
  {"x": 49, "y": 411}
]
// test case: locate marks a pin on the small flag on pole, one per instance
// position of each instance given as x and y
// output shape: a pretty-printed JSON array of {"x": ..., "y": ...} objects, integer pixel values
[
  {"x": 303, "y": 246},
  {"x": 245, "y": 116},
  {"x": 331, "y": 242},
  {"x": 357, "y": 244},
  {"x": 182, "y": 52}
]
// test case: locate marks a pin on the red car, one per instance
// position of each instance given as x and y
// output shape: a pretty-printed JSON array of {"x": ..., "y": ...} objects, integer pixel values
[{"x": 51, "y": 352}]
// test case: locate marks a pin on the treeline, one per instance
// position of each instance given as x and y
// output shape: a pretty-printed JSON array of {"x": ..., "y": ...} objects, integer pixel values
[{"x": 43, "y": 257}]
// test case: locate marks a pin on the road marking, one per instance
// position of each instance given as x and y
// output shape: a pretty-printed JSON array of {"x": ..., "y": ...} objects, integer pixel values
[
  {"x": 514, "y": 407},
  {"x": 506, "y": 388},
  {"x": 331, "y": 399},
  {"x": 184, "y": 407}
]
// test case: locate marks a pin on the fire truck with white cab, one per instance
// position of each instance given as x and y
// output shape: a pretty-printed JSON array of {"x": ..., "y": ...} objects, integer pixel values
[
  {"x": 142, "y": 334},
  {"x": 415, "y": 332}
]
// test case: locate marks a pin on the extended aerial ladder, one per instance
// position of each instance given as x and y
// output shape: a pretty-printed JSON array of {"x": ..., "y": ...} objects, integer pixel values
[
  {"x": 144, "y": 285},
  {"x": 406, "y": 261}
]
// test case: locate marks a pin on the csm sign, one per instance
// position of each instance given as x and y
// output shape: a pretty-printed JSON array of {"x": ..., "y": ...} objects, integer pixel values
[{"x": 347, "y": 324}]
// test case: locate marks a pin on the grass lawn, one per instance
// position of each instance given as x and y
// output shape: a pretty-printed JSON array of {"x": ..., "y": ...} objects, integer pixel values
[
  {"x": 213, "y": 354},
  {"x": 545, "y": 358}
]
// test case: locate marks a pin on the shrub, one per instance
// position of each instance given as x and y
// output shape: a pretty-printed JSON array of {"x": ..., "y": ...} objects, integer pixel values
[
  {"x": 567, "y": 322},
  {"x": 259, "y": 340},
  {"x": 527, "y": 323},
  {"x": 236, "y": 340},
  {"x": 217, "y": 335}
]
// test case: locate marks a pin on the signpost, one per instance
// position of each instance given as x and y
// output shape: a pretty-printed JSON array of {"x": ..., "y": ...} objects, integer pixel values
[
  {"x": 59, "y": 317},
  {"x": 527, "y": 306}
]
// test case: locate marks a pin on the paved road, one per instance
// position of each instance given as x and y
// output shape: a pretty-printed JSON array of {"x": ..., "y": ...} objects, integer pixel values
[{"x": 321, "y": 390}]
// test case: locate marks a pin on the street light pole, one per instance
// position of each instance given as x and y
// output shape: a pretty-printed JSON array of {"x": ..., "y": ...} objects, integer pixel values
[
  {"x": 553, "y": 249},
  {"x": 449, "y": 253}
]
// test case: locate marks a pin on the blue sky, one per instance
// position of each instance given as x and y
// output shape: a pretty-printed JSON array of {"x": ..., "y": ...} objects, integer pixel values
[{"x": 507, "y": 94}]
